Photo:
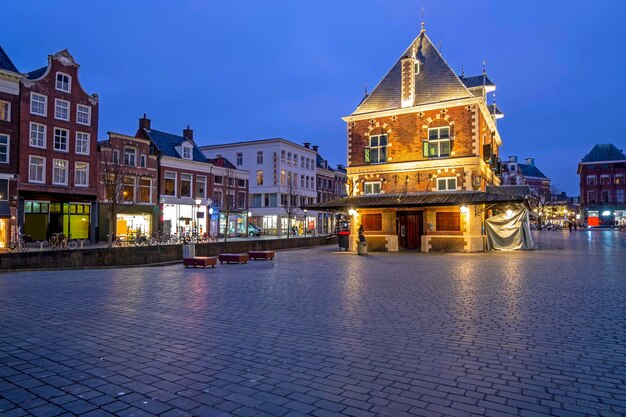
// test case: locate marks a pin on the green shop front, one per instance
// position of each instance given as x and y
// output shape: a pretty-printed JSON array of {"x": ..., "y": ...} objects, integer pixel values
[{"x": 42, "y": 218}]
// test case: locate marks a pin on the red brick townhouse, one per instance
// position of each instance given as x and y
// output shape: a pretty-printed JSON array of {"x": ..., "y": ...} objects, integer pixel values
[
  {"x": 423, "y": 157},
  {"x": 131, "y": 169},
  {"x": 58, "y": 165},
  {"x": 603, "y": 186},
  {"x": 9, "y": 128},
  {"x": 183, "y": 180}
]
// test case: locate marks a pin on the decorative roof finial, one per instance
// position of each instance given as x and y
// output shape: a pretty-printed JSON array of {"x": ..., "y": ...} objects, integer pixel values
[
  {"x": 441, "y": 48},
  {"x": 484, "y": 67},
  {"x": 366, "y": 93},
  {"x": 423, "y": 28},
  {"x": 462, "y": 71}
]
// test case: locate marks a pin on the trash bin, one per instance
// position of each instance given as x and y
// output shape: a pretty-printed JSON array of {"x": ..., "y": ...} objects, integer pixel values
[
  {"x": 344, "y": 240},
  {"x": 189, "y": 250},
  {"x": 362, "y": 248}
]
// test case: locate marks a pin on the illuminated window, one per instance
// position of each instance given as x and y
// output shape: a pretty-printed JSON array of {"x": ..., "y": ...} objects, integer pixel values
[
  {"x": 169, "y": 185},
  {"x": 438, "y": 144},
  {"x": 5, "y": 111},
  {"x": 81, "y": 174},
  {"x": 36, "y": 169},
  {"x": 59, "y": 172},
  {"x": 259, "y": 177}
]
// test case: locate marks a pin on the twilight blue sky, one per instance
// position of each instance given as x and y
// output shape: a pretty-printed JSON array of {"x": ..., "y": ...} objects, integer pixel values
[{"x": 241, "y": 70}]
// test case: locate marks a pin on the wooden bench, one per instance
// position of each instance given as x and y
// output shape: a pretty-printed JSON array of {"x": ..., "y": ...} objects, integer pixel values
[
  {"x": 268, "y": 255},
  {"x": 237, "y": 258},
  {"x": 202, "y": 261}
]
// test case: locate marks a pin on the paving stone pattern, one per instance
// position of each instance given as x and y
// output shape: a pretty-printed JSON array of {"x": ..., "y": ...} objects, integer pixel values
[{"x": 325, "y": 333}]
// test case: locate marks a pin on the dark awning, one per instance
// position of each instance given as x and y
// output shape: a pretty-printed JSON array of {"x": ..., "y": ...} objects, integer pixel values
[
  {"x": 418, "y": 200},
  {"x": 5, "y": 210}
]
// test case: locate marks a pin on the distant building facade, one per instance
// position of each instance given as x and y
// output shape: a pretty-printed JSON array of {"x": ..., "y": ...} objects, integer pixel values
[
  {"x": 602, "y": 186},
  {"x": 9, "y": 144},
  {"x": 515, "y": 173},
  {"x": 330, "y": 185},
  {"x": 58, "y": 165},
  {"x": 278, "y": 169},
  {"x": 131, "y": 164}
]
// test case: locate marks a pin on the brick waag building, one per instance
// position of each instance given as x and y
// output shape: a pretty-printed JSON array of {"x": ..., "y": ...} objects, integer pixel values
[{"x": 423, "y": 158}]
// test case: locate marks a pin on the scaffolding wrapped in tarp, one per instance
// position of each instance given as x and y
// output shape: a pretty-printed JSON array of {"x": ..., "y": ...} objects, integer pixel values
[{"x": 509, "y": 230}]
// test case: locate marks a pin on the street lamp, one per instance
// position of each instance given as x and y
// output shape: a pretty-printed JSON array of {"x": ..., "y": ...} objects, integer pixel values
[{"x": 198, "y": 202}]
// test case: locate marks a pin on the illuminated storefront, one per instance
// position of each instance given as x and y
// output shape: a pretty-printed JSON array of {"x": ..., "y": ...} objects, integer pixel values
[
  {"x": 181, "y": 219},
  {"x": 43, "y": 218},
  {"x": 237, "y": 224},
  {"x": 133, "y": 224}
]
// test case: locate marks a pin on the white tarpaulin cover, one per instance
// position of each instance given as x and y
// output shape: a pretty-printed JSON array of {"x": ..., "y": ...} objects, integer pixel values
[{"x": 509, "y": 231}]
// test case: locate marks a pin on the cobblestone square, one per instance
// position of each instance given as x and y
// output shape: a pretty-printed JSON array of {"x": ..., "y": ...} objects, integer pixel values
[{"x": 325, "y": 333}]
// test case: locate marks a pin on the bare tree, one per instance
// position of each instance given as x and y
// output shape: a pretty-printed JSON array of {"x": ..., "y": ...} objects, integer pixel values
[
  {"x": 543, "y": 197},
  {"x": 290, "y": 203},
  {"x": 113, "y": 195}
]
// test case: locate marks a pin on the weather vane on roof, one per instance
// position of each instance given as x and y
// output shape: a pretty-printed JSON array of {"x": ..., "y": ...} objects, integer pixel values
[{"x": 423, "y": 29}]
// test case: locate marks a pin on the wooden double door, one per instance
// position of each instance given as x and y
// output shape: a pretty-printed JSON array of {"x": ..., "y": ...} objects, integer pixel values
[{"x": 409, "y": 226}]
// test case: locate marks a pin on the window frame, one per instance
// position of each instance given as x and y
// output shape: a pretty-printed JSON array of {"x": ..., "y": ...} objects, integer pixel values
[
  {"x": 446, "y": 181},
  {"x": 69, "y": 82},
  {"x": 372, "y": 184},
  {"x": 592, "y": 180},
  {"x": 58, "y": 101},
  {"x": 134, "y": 156},
  {"x": 239, "y": 158},
  {"x": 33, "y": 95},
  {"x": 378, "y": 148},
  {"x": 115, "y": 156},
  {"x": 200, "y": 179},
  {"x": 259, "y": 157},
  {"x": 259, "y": 177},
  {"x": 143, "y": 161},
  {"x": 187, "y": 152},
  {"x": 442, "y": 226},
  {"x": 78, "y": 113},
  {"x": 8, "y": 148},
  {"x": 86, "y": 165},
  {"x": 142, "y": 187},
  {"x": 7, "y": 113},
  {"x": 186, "y": 177},
  {"x": 217, "y": 202},
  {"x": 438, "y": 141},
  {"x": 87, "y": 148},
  {"x": 67, "y": 140},
  {"x": 54, "y": 169},
  {"x": 43, "y": 169},
  {"x": 30, "y": 135},
  {"x": 175, "y": 178}
]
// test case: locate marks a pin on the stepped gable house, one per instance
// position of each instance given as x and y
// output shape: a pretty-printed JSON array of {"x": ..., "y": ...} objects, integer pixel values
[{"x": 423, "y": 157}]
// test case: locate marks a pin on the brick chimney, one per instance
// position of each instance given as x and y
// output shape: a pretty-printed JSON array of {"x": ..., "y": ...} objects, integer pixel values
[
  {"x": 315, "y": 147},
  {"x": 307, "y": 145},
  {"x": 530, "y": 161},
  {"x": 513, "y": 158},
  {"x": 144, "y": 123},
  {"x": 188, "y": 133}
]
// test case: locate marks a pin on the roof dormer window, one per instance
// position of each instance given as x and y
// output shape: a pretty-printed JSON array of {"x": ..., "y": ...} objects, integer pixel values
[{"x": 186, "y": 152}]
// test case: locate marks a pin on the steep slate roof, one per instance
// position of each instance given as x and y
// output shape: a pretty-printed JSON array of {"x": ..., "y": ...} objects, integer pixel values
[
  {"x": 604, "y": 152},
  {"x": 531, "y": 171},
  {"x": 36, "y": 73},
  {"x": 476, "y": 81},
  {"x": 166, "y": 144},
  {"x": 417, "y": 200},
  {"x": 436, "y": 82},
  {"x": 5, "y": 62}
]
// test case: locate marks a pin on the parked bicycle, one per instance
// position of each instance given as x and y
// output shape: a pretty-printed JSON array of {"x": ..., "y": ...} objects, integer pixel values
[
  {"x": 61, "y": 241},
  {"x": 18, "y": 243}
]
